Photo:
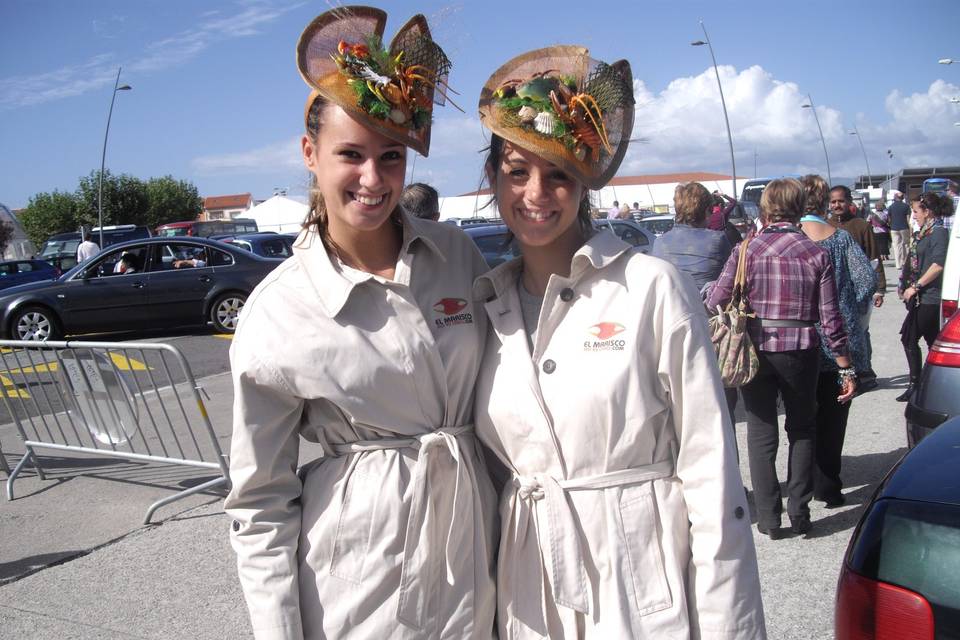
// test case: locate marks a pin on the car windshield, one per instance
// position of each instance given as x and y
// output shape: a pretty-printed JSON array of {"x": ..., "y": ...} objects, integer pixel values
[
  {"x": 496, "y": 248},
  {"x": 657, "y": 227},
  {"x": 58, "y": 247}
]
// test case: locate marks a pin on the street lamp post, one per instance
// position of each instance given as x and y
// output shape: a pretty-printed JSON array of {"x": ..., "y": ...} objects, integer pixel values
[
  {"x": 865, "y": 161},
  {"x": 813, "y": 108},
  {"x": 723, "y": 103},
  {"x": 103, "y": 157}
]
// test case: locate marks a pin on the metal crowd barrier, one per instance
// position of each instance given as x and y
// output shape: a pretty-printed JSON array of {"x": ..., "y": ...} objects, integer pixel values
[{"x": 137, "y": 401}]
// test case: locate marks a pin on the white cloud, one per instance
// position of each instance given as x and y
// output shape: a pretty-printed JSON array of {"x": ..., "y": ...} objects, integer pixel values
[
  {"x": 100, "y": 70},
  {"x": 277, "y": 158},
  {"x": 682, "y": 128},
  {"x": 65, "y": 82}
]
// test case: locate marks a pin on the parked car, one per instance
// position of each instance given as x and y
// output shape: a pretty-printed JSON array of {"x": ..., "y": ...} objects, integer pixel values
[
  {"x": 60, "y": 249},
  {"x": 207, "y": 228},
  {"x": 657, "y": 225},
  {"x": 497, "y": 245},
  {"x": 900, "y": 576},
  {"x": 494, "y": 241},
  {"x": 744, "y": 216},
  {"x": 469, "y": 222},
  {"x": 950, "y": 291},
  {"x": 937, "y": 397},
  {"x": 640, "y": 214},
  {"x": 631, "y": 232},
  {"x": 15, "y": 272},
  {"x": 265, "y": 243},
  {"x": 152, "y": 283}
]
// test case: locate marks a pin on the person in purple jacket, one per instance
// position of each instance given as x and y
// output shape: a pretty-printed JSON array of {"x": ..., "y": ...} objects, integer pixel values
[{"x": 790, "y": 286}]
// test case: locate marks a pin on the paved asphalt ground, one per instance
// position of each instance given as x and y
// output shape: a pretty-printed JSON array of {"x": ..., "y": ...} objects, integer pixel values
[{"x": 76, "y": 562}]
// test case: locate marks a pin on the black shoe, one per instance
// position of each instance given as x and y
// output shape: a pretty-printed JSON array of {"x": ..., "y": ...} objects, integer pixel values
[
  {"x": 775, "y": 533},
  {"x": 800, "y": 525},
  {"x": 903, "y": 397},
  {"x": 832, "y": 502}
]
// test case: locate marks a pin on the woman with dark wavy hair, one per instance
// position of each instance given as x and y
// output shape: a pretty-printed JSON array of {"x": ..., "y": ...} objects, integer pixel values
[
  {"x": 624, "y": 515},
  {"x": 920, "y": 283}
]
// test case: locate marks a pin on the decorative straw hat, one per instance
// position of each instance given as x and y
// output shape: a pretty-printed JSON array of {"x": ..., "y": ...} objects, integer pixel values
[
  {"x": 564, "y": 106},
  {"x": 342, "y": 57}
]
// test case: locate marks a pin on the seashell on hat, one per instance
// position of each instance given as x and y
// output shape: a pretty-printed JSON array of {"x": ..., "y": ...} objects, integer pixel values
[
  {"x": 392, "y": 89},
  {"x": 566, "y": 107}
]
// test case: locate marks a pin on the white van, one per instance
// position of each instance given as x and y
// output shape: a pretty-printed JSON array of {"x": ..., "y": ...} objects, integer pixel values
[{"x": 951, "y": 276}]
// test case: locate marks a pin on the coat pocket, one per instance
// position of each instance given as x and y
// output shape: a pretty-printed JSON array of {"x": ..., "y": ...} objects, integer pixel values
[
  {"x": 641, "y": 531},
  {"x": 353, "y": 528}
]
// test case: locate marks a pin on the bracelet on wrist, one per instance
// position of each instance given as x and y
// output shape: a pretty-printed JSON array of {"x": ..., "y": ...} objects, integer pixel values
[{"x": 846, "y": 373}]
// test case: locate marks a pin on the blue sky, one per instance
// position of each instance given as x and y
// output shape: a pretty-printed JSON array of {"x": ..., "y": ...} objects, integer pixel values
[{"x": 217, "y": 99}]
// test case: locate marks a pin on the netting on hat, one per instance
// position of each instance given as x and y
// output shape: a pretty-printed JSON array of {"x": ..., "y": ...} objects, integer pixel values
[
  {"x": 342, "y": 55},
  {"x": 561, "y": 104}
]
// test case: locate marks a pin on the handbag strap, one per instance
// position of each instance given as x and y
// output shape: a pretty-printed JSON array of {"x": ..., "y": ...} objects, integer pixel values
[{"x": 738, "y": 297}]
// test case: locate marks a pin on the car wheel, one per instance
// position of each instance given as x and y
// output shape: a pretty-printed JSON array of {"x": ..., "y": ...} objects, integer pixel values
[
  {"x": 225, "y": 312},
  {"x": 34, "y": 323}
]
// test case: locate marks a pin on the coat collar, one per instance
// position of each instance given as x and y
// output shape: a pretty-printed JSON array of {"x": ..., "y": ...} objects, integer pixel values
[
  {"x": 333, "y": 281},
  {"x": 601, "y": 250}
]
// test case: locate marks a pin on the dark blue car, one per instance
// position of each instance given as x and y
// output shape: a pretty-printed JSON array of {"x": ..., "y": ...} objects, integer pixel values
[
  {"x": 266, "y": 244},
  {"x": 14, "y": 272}
]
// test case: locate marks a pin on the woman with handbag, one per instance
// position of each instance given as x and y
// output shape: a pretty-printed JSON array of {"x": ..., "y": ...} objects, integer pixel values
[
  {"x": 789, "y": 286},
  {"x": 624, "y": 516}
]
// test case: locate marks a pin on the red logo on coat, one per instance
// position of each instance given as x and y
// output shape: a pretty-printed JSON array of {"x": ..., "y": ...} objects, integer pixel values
[
  {"x": 606, "y": 330},
  {"x": 450, "y": 306}
]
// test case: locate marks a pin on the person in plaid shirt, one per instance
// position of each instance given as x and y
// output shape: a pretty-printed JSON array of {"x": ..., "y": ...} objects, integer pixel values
[{"x": 790, "y": 287}]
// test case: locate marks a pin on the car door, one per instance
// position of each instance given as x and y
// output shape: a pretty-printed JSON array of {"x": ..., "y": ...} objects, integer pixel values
[
  {"x": 178, "y": 289},
  {"x": 97, "y": 299}
]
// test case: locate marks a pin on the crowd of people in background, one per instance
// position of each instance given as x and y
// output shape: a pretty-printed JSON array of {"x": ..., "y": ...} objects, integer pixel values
[{"x": 813, "y": 338}]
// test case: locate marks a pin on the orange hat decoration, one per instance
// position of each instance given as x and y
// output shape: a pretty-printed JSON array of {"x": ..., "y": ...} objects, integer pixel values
[{"x": 564, "y": 106}]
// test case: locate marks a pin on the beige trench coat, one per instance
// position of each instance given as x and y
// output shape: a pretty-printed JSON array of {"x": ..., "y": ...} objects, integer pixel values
[
  {"x": 391, "y": 533},
  {"x": 625, "y": 516}
]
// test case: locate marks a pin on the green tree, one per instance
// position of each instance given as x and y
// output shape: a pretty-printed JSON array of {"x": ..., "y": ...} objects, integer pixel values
[
  {"x": 50, "y": 213},
  {"x": 124, "y": 199},
  {"x": 171, "y": 200}
]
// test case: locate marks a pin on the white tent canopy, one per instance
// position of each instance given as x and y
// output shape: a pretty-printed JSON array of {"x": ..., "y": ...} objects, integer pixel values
[{"x": 279, "y": 213}]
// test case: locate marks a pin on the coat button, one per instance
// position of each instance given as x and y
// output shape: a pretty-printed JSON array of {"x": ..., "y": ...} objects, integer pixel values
[
  {"x": 566, "y": 294},
  {"x": 236, "y": 525},
  {"x": 738, "y": 512},
  {"x": 549, "y": 366}
]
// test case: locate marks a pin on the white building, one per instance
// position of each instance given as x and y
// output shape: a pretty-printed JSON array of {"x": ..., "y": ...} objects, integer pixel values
[
  {"x": 649, "y": 192},
  {"x": 279, "y": 213}
]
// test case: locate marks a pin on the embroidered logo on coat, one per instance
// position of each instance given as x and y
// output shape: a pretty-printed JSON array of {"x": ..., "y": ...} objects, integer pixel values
[
  {"x": 451, "y": 310},
  {"x": 604, "y": 333}
]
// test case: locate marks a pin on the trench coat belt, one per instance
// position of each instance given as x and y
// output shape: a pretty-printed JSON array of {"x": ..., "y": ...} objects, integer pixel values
[
  {"x": 417, "y": 577},
  {"x": 568, "y": 578}
]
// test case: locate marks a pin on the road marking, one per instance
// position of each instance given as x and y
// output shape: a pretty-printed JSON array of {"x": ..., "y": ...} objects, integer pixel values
[
  {"x": 223, "y": 336},
  {"x": 11, "y": 390},
  {"x": 123, "y": 363}
]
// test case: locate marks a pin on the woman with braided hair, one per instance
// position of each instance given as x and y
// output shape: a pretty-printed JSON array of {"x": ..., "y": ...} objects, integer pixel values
[{"x": 367, "y": 342}]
